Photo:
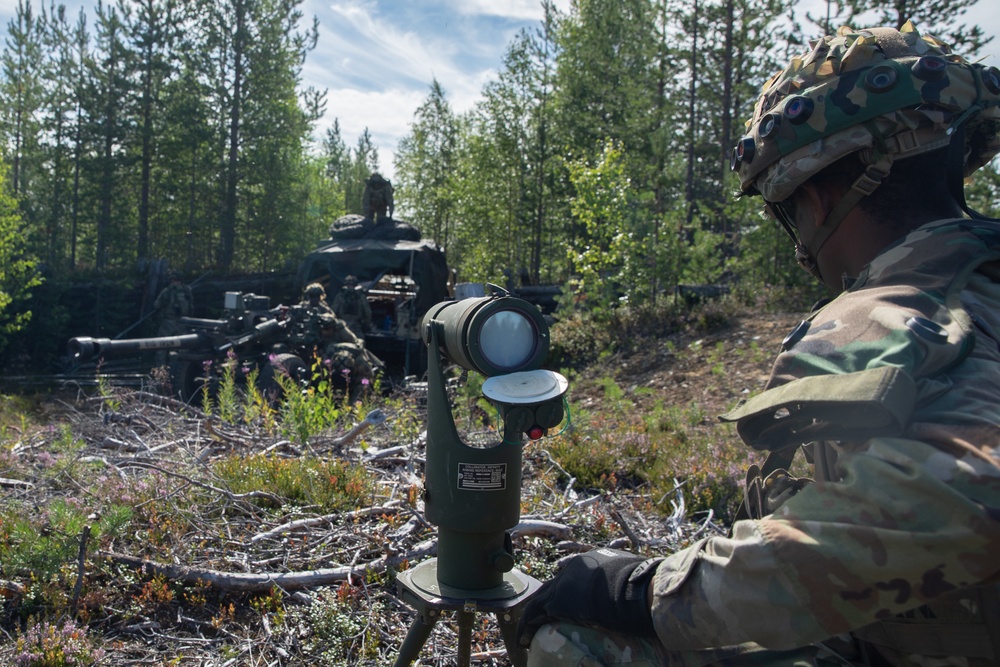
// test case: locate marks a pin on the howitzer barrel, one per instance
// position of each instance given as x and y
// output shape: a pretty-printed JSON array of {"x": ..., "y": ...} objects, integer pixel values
[
  {"x": 265, "y": 331},
  {"x": 85, "y": 348}
]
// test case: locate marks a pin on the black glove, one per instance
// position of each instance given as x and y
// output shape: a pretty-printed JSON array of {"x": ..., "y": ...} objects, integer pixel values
[{"x": 603, "y": 587}]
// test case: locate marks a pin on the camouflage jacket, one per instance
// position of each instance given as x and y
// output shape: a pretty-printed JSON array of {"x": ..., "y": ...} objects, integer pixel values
[
  {"x": 352, "y": 305},
  {"x": 897, "y": 384},
  {"x": 174, "y": 301}
]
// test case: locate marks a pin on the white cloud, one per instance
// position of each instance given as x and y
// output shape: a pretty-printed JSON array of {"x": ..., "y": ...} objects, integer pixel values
[{"x": 521, "y": 10}]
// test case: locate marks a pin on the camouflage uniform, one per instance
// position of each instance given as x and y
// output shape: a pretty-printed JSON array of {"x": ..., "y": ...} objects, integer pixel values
[
  {"x": 314, "y": 300},
  {"x": 352, "y": 307},
  {"x": 377, "y": 200},
  {"x": 894, "y": 522},
  {"x": 175, "y": 301},
  {"x": 892, "y": 390},
  {"x": 346, "y": 352}
]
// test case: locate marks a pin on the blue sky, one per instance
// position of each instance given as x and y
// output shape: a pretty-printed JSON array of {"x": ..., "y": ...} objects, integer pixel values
[{"x": 377, "y": 58}]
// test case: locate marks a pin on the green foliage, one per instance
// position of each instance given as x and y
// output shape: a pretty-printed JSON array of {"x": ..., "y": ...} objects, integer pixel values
[
  {"x": 337, "y": 628},
  {"x": 425, "y": 161},
  {"x": 328, "y": 485},
  {"x": 602, "y": 206},
  {"x": 983, "y": 194},
  {"x": 653, "y": 453},
  {"x": 40, "y": 541},
  {"x": 312, "y": 410},
  {"x": 17, "y": 267}
]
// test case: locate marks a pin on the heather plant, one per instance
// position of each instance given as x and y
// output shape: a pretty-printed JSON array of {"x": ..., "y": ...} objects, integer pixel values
[{"x": 46, "y": 644}]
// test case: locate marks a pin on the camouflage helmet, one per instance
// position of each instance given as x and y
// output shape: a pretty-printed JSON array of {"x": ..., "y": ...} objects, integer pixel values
[
  {"x": 889, "y": 93},
  {"x": 351, "y": 281},
  {"x": 315, "y": 289},
  {"x": 327, "y": 321}
]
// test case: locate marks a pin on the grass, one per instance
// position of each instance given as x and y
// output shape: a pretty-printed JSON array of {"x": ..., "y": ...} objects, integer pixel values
[{"x": 651, "y": 453}]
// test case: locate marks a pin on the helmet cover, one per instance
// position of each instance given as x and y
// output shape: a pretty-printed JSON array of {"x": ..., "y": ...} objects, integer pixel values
[{"x": 890, "y": 93}]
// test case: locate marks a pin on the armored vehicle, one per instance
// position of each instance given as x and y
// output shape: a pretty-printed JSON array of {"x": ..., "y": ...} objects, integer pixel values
[{"x": 401, "y": 274}]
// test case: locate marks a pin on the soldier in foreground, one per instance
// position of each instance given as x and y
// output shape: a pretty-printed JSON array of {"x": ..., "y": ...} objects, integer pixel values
[
  {"x": 351, "y": 305},
  {"x": 858, "y": 150}
]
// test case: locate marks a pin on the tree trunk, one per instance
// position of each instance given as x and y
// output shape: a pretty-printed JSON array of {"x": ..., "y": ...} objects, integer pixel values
[
  {"x": 692, "y": 120},
  {"x": 228, "y": 232}
]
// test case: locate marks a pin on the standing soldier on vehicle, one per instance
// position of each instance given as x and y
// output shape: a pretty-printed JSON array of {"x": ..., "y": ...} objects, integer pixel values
[
  {"x": 376, "y": 201},
  {"x": 890, "y": 557},
  {"x": 351, "y": 305}
]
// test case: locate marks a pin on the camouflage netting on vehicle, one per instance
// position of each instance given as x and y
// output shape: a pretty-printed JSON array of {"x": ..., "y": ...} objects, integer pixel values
[
  {"x": 368, "y": 259},
  {"x": 353, "y": 226}
]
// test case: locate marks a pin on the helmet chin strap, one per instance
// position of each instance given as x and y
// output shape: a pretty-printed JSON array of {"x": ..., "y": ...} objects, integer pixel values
[{"x": 807, "y": 252}]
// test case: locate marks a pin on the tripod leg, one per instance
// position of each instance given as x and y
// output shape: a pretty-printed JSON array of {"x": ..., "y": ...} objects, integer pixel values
[
  {"x": 415, "y": 639},
  {"x": 465, "y": 621},
  {"x": 508, "y": 630}
]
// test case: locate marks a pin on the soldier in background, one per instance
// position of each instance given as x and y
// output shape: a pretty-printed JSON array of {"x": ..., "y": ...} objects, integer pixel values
[
  {"x": 174, "y": 301},
  {"x": 892, "y": 390},
  {"x": 376, "y": 201},
  {"x": 351, "y": 305},
  {"x": 314, "y": 299},
  {"x": 346, "y": 354}
]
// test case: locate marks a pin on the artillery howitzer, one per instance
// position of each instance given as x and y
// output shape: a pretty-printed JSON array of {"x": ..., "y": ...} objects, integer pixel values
[{"x": 251, "y": 333}]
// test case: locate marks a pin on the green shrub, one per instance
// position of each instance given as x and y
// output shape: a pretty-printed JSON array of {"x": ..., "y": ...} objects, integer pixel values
[{"x": 328, "y": 485}]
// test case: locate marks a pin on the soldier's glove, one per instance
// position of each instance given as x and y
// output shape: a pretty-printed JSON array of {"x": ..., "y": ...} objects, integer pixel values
[{"x": 603, "y": 587}]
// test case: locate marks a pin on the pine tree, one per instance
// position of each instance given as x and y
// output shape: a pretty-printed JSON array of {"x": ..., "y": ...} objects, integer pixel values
[{"x": 425, "y": 161}]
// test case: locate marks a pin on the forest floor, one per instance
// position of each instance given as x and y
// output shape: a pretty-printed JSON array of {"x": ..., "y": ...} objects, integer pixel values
[{"x": 173, "y": 563}]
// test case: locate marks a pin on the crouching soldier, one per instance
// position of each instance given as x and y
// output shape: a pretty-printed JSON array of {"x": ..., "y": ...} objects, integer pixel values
[{"x": 346, "y": 355}]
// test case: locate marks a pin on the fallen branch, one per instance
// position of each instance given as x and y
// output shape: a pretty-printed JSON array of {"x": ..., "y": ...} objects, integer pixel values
[
  {"x": 373, "y": 418},
  {"x": 539, "y": 528},
  {"x": 81, "y": 561},
  {"x": 342, "y": 517},
  {"x": 15, "y": 483},
  {"x": 636, "y": 541},
  {"x": 223, "y": 492},
  {"x": 264, "y": 582}
]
